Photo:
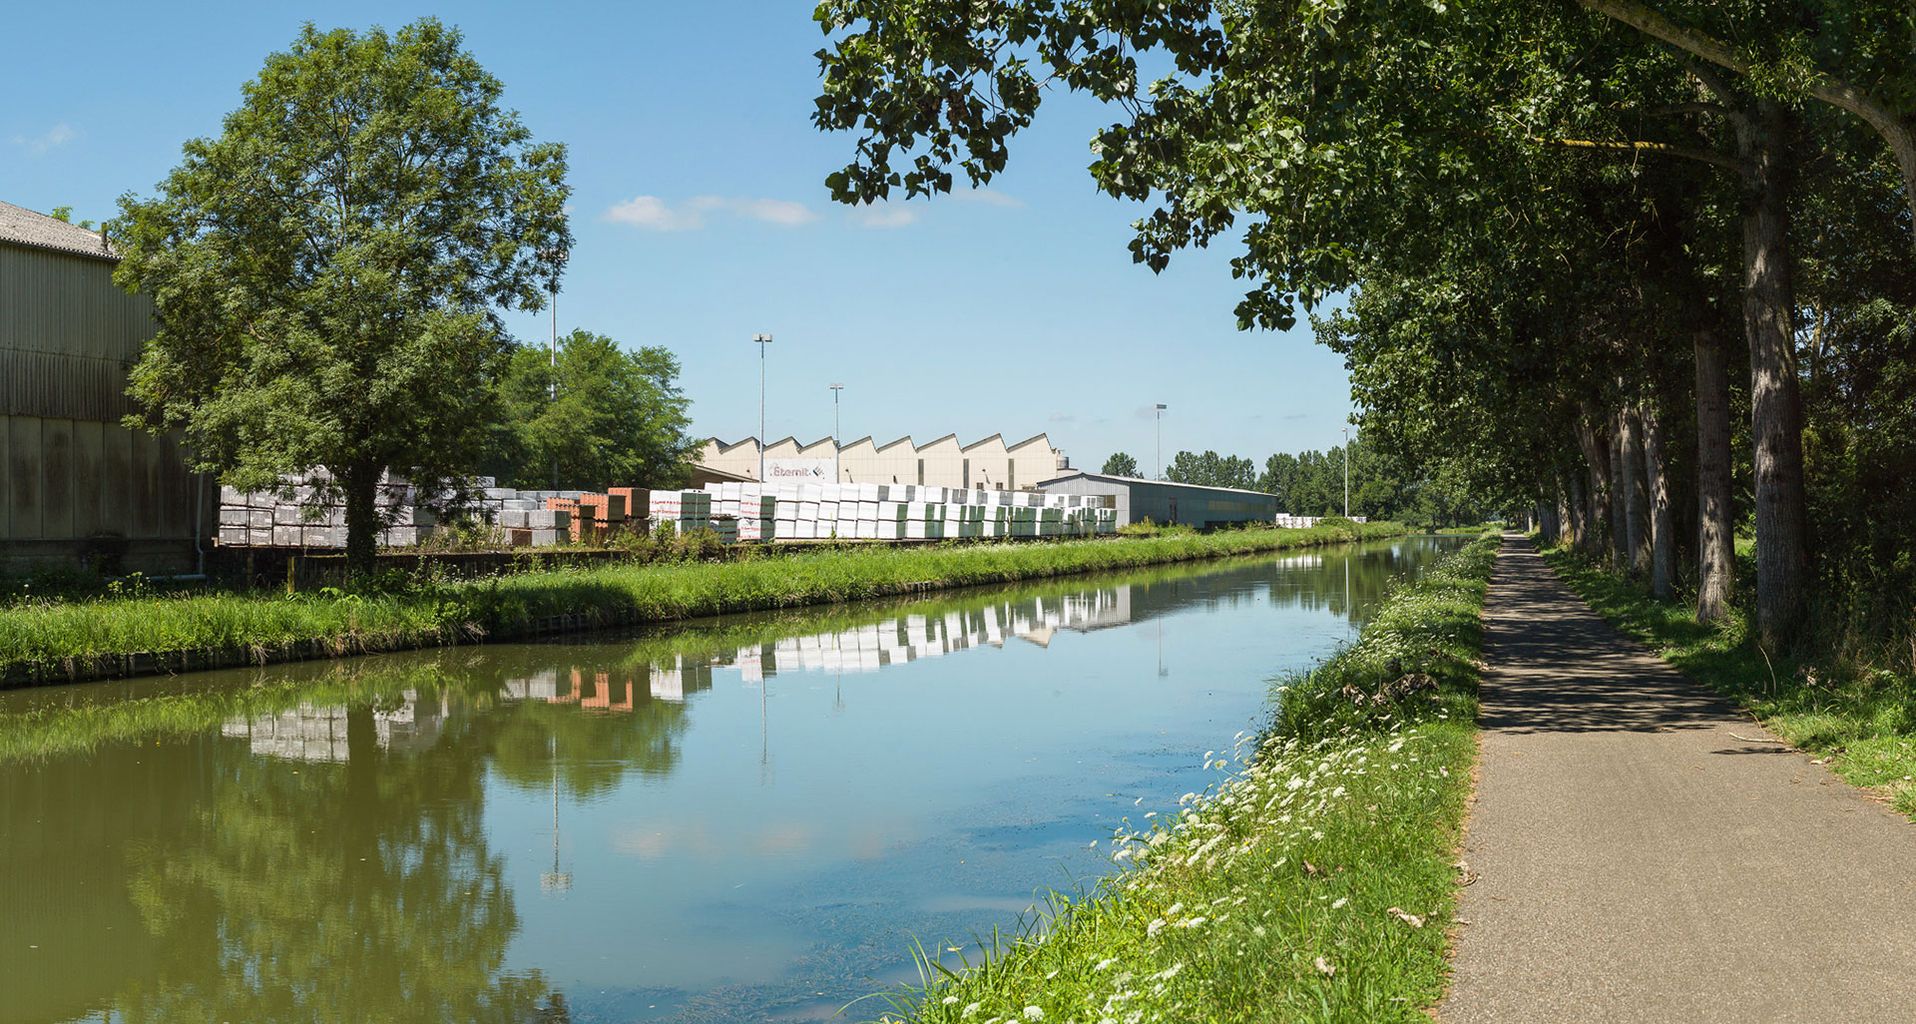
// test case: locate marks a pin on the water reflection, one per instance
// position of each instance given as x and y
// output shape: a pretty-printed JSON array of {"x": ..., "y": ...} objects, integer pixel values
[{"x": 382, "y": 839}]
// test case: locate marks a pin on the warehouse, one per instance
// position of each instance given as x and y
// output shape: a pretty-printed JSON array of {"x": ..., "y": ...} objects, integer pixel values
[
  {"x": 76, "y": 487},
  {"x": 1165, "y": 502},
  {"x": 988, "y": 464}
]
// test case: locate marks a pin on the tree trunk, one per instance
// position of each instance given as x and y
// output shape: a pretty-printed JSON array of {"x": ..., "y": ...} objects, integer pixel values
[
  {"x": 1621, "y": 541},
  {"x": 1579, "y": 507},
  {"x": 1716, "y": 551},
  {"x": 1636, "y": 496},
  {"x": 1596, "y": 454},
  {"x": 362, "y": 520},
  {"x": 1776, "y": 419},
  {"x": 1656, "y": 474}
]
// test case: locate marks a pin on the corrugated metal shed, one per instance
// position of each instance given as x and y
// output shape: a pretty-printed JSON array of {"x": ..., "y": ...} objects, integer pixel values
[
  {"x": 1163, "y": 501},
  {"x": 75, "y": 485}
]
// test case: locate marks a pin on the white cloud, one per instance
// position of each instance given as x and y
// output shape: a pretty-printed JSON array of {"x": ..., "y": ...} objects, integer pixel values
[
  {"x": 884, "y": 215},
  {"x": 987, "y": 197},
  {"x": 51, "y": 139},
  {"x": 652, "y": 213},
  {"x": 782, "y": 212}
]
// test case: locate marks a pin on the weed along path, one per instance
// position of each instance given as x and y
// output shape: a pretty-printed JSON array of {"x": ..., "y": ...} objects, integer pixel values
[{"x": 1643, "y": 852}]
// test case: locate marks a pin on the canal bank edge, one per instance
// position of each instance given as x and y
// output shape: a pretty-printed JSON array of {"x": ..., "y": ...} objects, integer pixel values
[
  {"x": 123, "y": 638},
  {"x": 1319, "y": 881}
]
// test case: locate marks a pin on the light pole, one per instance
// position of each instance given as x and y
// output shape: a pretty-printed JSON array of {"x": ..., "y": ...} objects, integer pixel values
[
  {"x": 838, "y": 474},
  {"x": 761, "y": 340},
  {"x": 1347, "y": 471},
  {"x": 1159, "y": 412}
]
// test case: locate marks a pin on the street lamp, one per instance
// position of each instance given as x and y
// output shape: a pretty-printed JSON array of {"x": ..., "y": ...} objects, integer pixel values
[
  {"x": 838, "y": 474},
  {"x": 761, "y": 340},
  {"x": 1159, "y": 412}
]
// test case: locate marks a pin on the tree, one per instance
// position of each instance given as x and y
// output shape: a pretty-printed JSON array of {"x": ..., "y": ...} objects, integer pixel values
[
  {"x": 601, "y": 417},
  {"x": 1212, "y": 470},
  {"x": 328, "y": 273},
  {"x": 1120, "y": 464},
  {"x": 64, "y": 214}
]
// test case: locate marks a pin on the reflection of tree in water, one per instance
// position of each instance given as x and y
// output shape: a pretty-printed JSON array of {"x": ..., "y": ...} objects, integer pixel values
[
  {"x": 629, "y": 729},
  {"x": 356, "y": 891}
]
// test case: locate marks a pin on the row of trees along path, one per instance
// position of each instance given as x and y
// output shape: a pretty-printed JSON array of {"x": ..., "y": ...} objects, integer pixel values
[
  {"x": 1641, "y": 851},
  {"x": 1550, "y": 223}
]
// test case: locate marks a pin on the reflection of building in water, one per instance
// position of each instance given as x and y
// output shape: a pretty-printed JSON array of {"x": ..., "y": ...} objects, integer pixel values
[
  {"x": 905, "y": 638},
  {"x": 309, "y": 733},
  {"x": 1303, "y": 561},
  {"x": 612, "y": 690}
]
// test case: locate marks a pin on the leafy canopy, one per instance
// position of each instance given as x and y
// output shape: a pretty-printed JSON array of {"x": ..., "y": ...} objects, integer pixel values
[
  {"x": 601, "y": 417},
  {"x": 328, "y": 273}
]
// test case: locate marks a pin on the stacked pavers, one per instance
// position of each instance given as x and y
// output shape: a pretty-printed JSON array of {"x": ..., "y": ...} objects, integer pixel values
[{"x": 735, "y": 512}]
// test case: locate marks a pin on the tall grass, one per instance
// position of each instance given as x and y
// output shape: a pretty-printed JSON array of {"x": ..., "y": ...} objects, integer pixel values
[
  {"x": 1316, "y": 882},
  {"x": 51, "y": 641}
]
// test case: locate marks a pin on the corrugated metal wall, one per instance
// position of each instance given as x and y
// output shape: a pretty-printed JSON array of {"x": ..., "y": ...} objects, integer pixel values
[
  {"x": 68, "y": 470},
  {"x": 1165, "y": 502}
]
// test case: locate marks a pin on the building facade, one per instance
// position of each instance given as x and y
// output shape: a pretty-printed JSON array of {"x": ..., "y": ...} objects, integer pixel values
[
  {"x": 1165, "y": 502},
  {"x": 76, "y": 487},
  {"x": 989, "y": 463}
]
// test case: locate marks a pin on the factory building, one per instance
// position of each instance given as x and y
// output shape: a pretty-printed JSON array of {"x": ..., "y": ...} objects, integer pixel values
[
  {"x": 76, "y": 487},
  {"x": 1164, "y": 502},
  {"x": 988, "y": 464}
]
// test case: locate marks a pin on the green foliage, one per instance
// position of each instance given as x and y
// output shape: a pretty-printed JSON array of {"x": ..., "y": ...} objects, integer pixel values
[
  {"x": 64, "y": 214},
  {"x": 601, "y": 417},
  {"x": 1120, "y": 464},
  {"x": 328, "y": 273},
  {"x": 1212, "y": 470},
  {"x": 1317, "y": 882},
  {"x": 51, "y": 639}
]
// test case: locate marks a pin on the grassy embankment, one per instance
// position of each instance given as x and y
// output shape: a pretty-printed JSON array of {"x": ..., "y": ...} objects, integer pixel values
[
  {"x": 1862, "y": 718},
  {"x": 50, "y": 642},
  {"x": 47, "y": 723},
  {"x": 1316, "y": 883}
]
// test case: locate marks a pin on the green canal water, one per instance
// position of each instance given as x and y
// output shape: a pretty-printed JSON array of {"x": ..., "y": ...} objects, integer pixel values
[{"x": 752, "y": 819}]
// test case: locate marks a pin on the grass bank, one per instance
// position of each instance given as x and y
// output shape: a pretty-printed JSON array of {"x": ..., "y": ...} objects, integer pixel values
[
  {"x": 1862, "y": 718},
  {"x": 61, "y": 641},
  {"x": 37, "y": 724},
  {"x": 1317, "y": 882}
]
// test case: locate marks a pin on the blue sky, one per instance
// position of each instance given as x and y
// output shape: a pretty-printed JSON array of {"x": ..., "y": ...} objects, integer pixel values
[{"x": 701, "y": 219}]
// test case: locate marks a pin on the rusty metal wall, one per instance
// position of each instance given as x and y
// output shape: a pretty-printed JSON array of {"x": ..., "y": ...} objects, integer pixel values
[{"x": 68, "y": 470}]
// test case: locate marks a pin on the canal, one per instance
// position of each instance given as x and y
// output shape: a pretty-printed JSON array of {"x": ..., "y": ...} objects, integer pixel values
[{"x": 751, "y": 819}]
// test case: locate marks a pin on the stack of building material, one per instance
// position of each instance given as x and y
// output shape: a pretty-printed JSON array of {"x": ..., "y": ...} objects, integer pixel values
[{"x": 303, "y": 514}]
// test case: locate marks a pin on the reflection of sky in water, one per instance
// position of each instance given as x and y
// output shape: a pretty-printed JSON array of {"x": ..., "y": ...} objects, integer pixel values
[
  {"x": 824, "y": 813},
  {"x": 756, "y": 816}
]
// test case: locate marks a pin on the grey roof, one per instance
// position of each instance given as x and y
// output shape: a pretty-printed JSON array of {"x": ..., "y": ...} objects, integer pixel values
[
  {"x": 22, "y": 226},
  {"x": 1077, "y": 473}
]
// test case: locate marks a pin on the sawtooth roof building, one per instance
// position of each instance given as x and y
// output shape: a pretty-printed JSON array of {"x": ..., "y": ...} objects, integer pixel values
[{"x": 990, "y": 463}]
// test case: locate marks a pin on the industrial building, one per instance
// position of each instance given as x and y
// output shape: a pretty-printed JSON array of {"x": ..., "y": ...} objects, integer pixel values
[
  {"x": 989, "y": 464},
  {"x": 76, "y": 487},
  {"x": 1165, "y": 502}
]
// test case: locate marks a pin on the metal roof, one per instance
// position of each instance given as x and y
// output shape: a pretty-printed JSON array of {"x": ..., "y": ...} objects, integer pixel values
[
  {"x": 22, "y": 226},
  {"x": 1076, "y": 474}
]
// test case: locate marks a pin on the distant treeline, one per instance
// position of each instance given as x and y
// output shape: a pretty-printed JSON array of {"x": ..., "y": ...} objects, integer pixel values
[{"x": 1311, "y": 483}]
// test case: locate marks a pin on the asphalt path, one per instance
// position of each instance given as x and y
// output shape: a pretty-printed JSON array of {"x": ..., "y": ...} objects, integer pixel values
[{"x": 1643, "y": 851}]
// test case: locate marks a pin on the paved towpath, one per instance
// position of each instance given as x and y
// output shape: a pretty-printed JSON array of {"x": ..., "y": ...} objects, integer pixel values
[{"x": 1645, "y": 852}]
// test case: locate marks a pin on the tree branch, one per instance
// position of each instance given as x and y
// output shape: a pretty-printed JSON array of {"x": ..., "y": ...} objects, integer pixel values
[
  {"x": 1894, "y": 126},
  {"x": 1695, "y": 153}
]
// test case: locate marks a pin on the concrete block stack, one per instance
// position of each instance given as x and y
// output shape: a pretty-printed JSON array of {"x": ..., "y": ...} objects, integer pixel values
[
  {"x": 737, "y": 512},
  {"x": 298, "y": 515},
  {"x": 898, "y": 512}
]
